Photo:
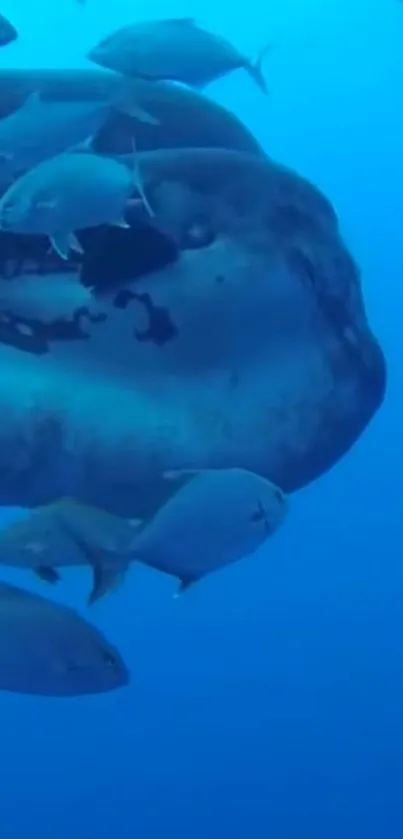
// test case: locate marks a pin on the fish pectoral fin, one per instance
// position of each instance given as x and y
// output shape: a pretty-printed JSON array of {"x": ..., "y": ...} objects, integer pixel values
[
  {"x": 122, "y": 223},
  {"x": 64, "y": 242},
  {"x": 48, "y": 574},
  {"x": 183, "y": 586},
  {"x": 84, "y": 146},
  {"x": 107, "y": 576},
  {"x": 60, "y": 243},
  {"x": 133, "y": 109},
  {"x": 74, "y": 244}
]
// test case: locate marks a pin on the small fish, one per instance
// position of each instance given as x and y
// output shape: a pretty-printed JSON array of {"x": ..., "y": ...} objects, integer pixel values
[
  {"x": 70, "y": 192},
  {"x": 217, "y": 517},
  {"x": 8, "y": 32},
  {"x": 49, "y": 650},
  {"x": 41, "y": 129},
  {"x": 174, "y": 49},
  {"x": 68, "y": 533}
]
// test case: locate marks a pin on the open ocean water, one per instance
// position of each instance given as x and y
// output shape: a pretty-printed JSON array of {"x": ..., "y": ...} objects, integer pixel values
[{"x": 268, "y": 700}]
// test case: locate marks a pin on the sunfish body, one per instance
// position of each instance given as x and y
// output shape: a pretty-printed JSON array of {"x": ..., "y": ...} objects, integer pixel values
[
  {"x": 67, "y": 533},
  {"x": 67, "y": 193},
  {"x": 216, "y": 518},
  {"x": 49, "y": 650},
  {"x": 8, "y": 32},
  {"x": 175, "y": 49}
]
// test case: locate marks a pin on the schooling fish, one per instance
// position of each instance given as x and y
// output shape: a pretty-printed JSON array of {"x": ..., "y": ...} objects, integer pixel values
[
  {"x": 67, "y": 193},
  {"x": 217, "y": 517},
  {"x": 8, "y": 32},
  {"x": 49, "y": 650},
  {"x": 175, "y": 49},
  {"x": 68, "y": 533}
]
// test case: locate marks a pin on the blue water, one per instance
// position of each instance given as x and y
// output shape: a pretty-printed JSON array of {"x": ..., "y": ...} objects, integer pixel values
[{"x": 268, "y": 701}]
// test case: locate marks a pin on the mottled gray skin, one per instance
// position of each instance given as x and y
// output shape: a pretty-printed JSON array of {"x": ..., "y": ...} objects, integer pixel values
[{"x": 271, "y": 365}]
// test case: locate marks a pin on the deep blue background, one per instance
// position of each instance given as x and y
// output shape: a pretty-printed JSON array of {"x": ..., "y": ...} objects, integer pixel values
[{"x": 268, "y": 701}]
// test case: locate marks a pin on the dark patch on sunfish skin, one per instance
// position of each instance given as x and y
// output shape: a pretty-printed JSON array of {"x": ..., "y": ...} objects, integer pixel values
[
  {"x": 29, "y": 254},
  {"x": 115, "y": 255},
  {"x": 160, "y": 328},
  {"x": 35, "y": 336}
]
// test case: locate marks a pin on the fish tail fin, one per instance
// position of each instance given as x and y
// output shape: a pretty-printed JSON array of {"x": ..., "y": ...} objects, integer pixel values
[
  {"x": 108, "y": 568},
  {"x": 255, "y": 69},
  {"x": 138, "y": 181}
]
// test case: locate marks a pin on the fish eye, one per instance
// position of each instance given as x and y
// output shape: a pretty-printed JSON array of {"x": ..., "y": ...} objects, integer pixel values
[{"x": 259, "y": 514}]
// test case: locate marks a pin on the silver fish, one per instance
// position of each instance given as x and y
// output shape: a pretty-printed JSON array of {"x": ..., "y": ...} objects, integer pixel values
[
  {"x": 216, "y": 518},
  {"x": 69, "y": 192},
  {"x": 68, "y": 533},
  {"x": 176, "y": 49},
  {"x": 39, "y": 130},
  {"x": 49, "y": 650}
]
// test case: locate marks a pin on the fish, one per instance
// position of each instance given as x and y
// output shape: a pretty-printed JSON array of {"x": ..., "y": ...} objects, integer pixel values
[
  {"x": 174, "y": 49},
  {"x": 69, "y": 533},
  {"x": 182, "y": 116},
  {"x": 8, "y": 32},
  {"x": 215, "y": 518},
  {"x": 47, "y": 649},
  {"x": 69, "y": 192},
  {"x": 41, "y": 129}
]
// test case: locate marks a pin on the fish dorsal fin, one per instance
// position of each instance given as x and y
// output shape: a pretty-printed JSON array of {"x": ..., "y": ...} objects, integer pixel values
[{"x": 182, "y": 21}]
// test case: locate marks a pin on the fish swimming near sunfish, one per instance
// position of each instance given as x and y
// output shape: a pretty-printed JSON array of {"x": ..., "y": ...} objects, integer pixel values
[
  {"x": 8, "y": 32},
  {"x": 67, "y": 533},
  {"x": 49, "y": 650},
  {"x": 41, "y": 129},
  {"x": 216, "y": 518},
  {"x": 176, "y": 49},
  {"x": 67, "y": 193}
]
